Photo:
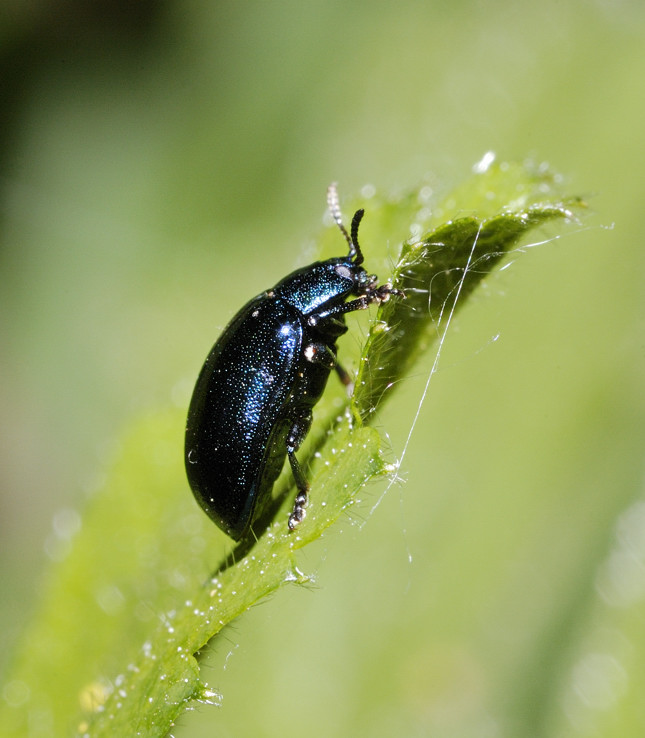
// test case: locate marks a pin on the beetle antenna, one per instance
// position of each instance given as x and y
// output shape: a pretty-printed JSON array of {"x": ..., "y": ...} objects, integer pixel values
[
  {"x": 334, "y": 208},
  {"x": 354, "y": 248}
]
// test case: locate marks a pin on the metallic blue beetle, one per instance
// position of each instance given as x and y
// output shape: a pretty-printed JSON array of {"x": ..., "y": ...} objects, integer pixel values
[{"x": 252, "y": 404}]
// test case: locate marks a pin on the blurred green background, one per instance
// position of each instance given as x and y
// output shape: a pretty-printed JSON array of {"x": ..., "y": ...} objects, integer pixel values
[{"x": 161, "y": 162}]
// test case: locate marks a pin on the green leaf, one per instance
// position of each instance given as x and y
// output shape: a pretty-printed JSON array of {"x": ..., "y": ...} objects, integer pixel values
[
  {"x": 438, "y": 271},
  {"x": 113, "y": 651}
]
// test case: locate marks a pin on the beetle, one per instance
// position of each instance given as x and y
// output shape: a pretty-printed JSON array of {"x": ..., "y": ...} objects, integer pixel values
[{"x": 252, "y": 403}]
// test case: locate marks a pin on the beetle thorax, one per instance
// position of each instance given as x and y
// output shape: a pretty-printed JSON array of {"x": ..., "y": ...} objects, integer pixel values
[{"x": 323, "y": 283}]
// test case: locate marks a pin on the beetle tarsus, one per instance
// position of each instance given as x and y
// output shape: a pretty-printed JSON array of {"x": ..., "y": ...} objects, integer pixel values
[
  {"x": 298, "y": 513},
  {"x": 345, "y": 377}
]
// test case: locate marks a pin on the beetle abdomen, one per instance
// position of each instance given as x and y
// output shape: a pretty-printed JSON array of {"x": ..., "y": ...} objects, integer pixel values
[{"x": 243, "y": 388}]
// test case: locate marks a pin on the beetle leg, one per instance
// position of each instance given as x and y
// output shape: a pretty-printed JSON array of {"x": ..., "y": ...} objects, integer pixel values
[
  {"x": 320, "y": 353},
  {"x": 344, "y": 377},
  {"x": 378, "y": 295},
  {"x": 333, "y": 326},
  {"x": 298, "y": 431},
  {"x": 298, "y": 513},
  {"x": 328, "y": 316}
]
